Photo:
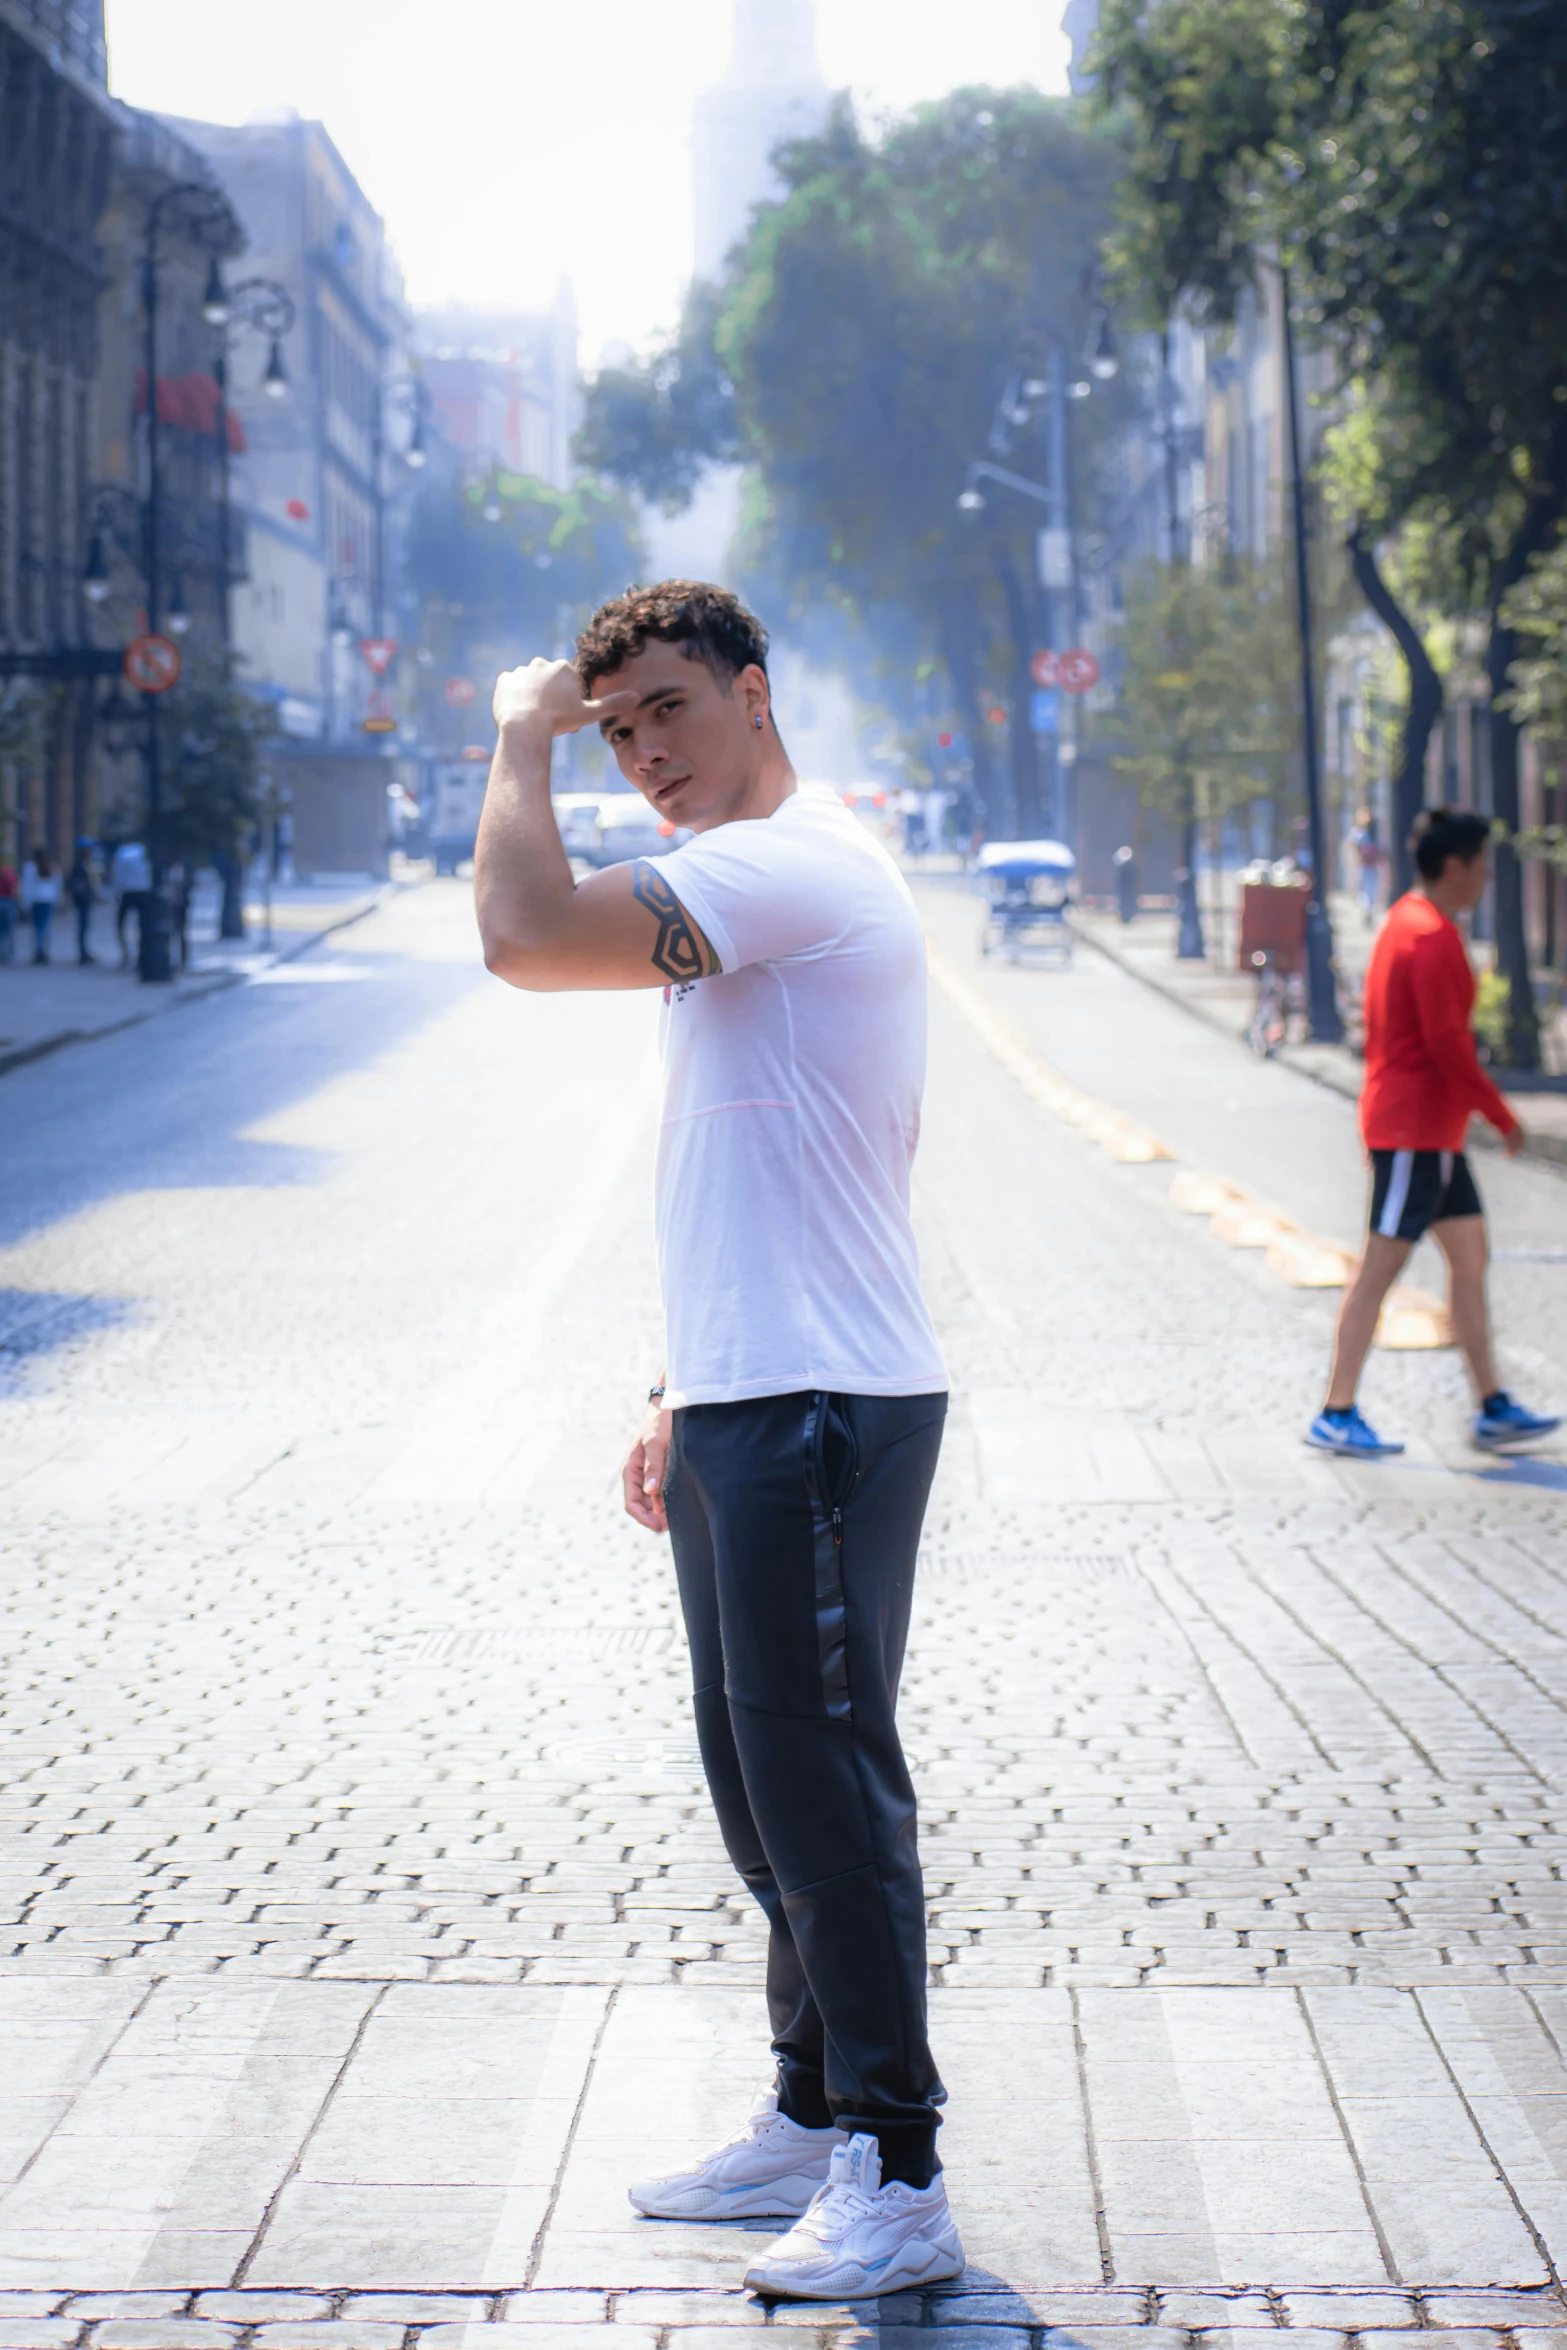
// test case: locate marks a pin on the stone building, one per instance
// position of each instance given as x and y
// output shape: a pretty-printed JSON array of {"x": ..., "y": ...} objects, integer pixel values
[
  {"x": 320, "y": 465},
  {"x": 504, "y": 385},
  {"x": 56, "y": 147}
]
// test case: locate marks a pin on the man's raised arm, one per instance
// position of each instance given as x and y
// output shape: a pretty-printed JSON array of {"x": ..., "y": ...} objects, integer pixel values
[{"x": 540, "y": 929}]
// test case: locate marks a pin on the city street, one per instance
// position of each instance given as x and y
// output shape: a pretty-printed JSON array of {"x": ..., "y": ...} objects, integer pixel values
[{"x": 365, "y": 1925}]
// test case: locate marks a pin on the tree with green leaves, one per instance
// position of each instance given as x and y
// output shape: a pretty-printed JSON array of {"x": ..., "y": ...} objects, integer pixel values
[
  {"x": 1407, "y": 161},
  {"x": 890, "y": 320},
  {"x": 210, "y": 734},
  {"x": 505, "y": 566},
  {"x": 1205, "y": 715}
]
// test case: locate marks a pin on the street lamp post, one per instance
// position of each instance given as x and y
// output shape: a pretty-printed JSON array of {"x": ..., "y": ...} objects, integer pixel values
[
  {"x": 209, "y": 218},
  {"x": 411, "y": 394},
  {"x": 1058, "y": 574},
  {"x": 264, "y": 306}
]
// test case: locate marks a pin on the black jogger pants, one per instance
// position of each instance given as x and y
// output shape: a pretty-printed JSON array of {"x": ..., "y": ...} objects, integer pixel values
[{"x": 794, "y": 1521}]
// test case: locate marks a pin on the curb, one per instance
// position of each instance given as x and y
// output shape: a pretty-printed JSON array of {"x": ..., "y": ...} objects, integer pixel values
[
  {"x": 43, "y": 1046},
  {"x": 1547, "y": 1150}
]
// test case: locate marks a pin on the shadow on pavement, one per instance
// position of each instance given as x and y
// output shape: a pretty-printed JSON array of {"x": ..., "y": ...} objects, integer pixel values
[{"x": 165, "y": 1105}]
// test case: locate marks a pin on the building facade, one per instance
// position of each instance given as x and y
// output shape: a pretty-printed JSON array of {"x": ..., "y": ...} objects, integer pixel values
[
  {"x": 57, "y": 142},
  {"x": 319, "y": 468},
  {"x": 504, "y": 386}
]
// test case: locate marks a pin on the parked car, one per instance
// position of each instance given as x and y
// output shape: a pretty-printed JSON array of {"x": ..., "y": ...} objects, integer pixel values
[
  {"x": 627, "y": 828},
  {"x": 577, "y": 814},
  {"x": 453, "y": 802}
]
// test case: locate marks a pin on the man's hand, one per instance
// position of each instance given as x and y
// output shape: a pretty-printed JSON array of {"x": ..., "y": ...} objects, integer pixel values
[
  {"x": 642, "y": 1478},
  {"x": 1514, "y": 1141},
  {"x": 546, "y": 695}
]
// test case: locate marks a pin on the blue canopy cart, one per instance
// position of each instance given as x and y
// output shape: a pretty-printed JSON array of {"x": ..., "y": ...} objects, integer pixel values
[{"x": 1029, "y": 885}]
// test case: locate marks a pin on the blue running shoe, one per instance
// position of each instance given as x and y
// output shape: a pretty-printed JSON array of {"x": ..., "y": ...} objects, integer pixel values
[
  {"x": 1351, "y": 1436},
  {"x": 1503, "y": 1426}
]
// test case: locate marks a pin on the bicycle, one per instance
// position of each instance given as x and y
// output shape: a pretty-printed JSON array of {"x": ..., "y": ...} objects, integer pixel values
[{"x": 1279, "y": 993}]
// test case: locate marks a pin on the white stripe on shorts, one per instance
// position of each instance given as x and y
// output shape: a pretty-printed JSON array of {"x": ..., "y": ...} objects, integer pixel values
[{"x": 1397, "y": 1194}]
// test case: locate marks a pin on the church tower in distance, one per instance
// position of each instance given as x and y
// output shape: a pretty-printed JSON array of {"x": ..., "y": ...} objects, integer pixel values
[{"x": 773, "y": 91}]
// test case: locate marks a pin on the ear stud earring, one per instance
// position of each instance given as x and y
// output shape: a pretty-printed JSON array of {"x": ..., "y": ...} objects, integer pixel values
[{"x": 757, "y": 722}]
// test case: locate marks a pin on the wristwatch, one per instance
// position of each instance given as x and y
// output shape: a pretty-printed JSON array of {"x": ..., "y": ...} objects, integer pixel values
[{"x": 656, "y": 1394}]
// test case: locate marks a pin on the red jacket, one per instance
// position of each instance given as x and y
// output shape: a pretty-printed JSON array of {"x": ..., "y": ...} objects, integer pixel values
[{"x": 1423, "y": 1075}]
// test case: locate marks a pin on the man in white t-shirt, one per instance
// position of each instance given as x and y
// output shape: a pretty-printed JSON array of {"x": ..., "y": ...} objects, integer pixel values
[{"x": 789, "y": 1446}]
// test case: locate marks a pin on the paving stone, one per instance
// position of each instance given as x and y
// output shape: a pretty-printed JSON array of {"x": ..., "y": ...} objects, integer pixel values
[
  {"x": 1350, "y": 2312},
  {"x": 416, "y": 2309},
  {"x": 502, "y": 2336},
  {"x": 333, "y": 2334},
  {"x": 170, "y": 2333},
  {"x": 1497, "y": 2309},
  {"x": 36, "y": 2333},
  {"x": 1202, "y": 2312},
  {"x": 655, "y": 2308},
  {"x": 257, "y": 2309},
  {"x": 1107, "y": 2307},
  {"x": 1460, "y": 2338}
]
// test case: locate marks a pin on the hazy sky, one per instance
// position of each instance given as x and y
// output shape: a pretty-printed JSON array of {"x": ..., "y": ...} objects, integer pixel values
[{"x": 505, "y": 143}]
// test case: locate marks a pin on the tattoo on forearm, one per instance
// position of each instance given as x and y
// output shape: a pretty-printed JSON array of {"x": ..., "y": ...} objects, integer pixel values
[{"x": 681, "y": 951}]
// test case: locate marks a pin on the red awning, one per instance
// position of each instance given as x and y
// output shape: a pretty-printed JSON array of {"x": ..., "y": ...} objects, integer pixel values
[{"x": 191, "y": 402}]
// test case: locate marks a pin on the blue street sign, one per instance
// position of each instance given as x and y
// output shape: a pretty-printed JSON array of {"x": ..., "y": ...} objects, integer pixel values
[{"x": 1044, "y": 710}]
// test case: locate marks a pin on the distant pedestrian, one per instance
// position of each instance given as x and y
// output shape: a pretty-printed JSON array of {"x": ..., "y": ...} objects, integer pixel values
[
  {"x": 81, "y": 887},
  {"x": 181, "y": 881},
  {"x": 1368, "y": 854},
  {"x": 10, "y": 898},
  {"x": 40, "y": 895},
  {"x": 130, "y": 880},
  {"x": 1423, "y": 1083}
]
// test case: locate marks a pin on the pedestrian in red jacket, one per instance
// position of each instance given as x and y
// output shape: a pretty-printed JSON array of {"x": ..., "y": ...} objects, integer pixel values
[{"x": 1423, "y": 1084}]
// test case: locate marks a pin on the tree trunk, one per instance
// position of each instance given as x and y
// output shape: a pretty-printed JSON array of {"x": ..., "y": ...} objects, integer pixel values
[
  {"x": 1534, "y": 534},
  {"x": 231, "y": 873},
  {"x": 1425, "y": 705},
  {"x": 1190, "y": 945},
  {"x": 960, "y": 653}
]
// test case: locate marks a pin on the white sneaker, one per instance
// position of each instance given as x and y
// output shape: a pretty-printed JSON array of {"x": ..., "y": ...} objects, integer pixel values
[
  {"x": 860, "y": 2237},
  {"x": 769, "y": 2168}
]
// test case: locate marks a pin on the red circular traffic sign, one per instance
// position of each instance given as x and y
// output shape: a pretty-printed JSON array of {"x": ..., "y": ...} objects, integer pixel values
[
  {"x": 1078, "y": 670},
  {"x": 152, "y": 664},
  {"x": 1044, "y": 667},
  {"x": 460, "y": 692}
]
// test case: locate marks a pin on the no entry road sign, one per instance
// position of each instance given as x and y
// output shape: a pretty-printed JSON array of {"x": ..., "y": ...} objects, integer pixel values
[
  {"x": 1078, "y": 670},
  {"x": 152, "y": 664}
]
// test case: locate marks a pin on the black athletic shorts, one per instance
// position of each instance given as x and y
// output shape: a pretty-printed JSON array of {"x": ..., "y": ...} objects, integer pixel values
[{"x": 1412, "y": 1190}]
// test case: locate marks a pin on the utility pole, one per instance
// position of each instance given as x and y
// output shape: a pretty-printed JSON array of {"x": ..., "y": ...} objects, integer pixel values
[
  {"x": 1058, "y": 588},
  {"x": 1326, "y": 1025},
  {"x": 1190, "y": 945},
  {"x": 152, "y": 929}
]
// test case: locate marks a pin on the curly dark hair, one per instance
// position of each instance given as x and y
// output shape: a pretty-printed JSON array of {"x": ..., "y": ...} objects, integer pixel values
[{"x": 711, "y": 625}]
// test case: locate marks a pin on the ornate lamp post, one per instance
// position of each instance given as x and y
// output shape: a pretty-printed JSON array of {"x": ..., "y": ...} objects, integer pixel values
[
  {"x": 208, "y": 218},
  {"x": 262, "y": 306}
]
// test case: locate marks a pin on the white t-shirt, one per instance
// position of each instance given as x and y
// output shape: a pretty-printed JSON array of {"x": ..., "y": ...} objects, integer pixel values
[{"x": 791, "y": 1114}]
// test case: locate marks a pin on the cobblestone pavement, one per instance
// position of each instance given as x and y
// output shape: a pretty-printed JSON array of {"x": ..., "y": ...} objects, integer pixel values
[{"x": 365, "y": 1927}]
